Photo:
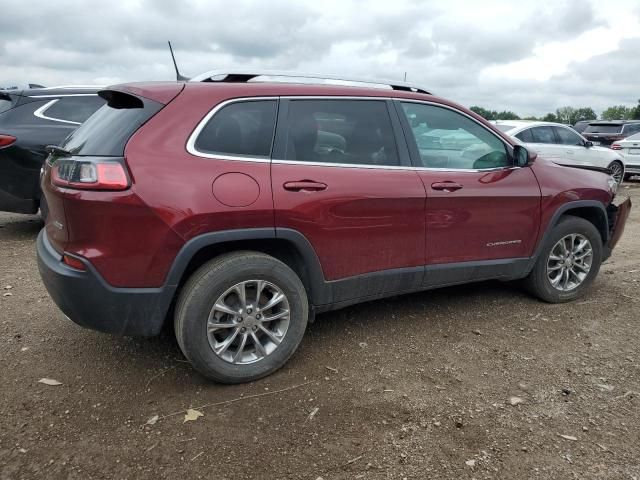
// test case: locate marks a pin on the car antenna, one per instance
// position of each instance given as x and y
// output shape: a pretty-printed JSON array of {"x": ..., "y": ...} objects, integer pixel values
[{"x": 179, "y": 78}]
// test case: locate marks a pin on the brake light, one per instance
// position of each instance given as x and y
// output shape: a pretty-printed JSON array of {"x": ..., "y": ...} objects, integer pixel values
[
  {"x": 6, "y": 140},
  {"x": 616, "y": 146},
  {"x": 73, "y": 262},
  {"x": 92, "y": 174}
]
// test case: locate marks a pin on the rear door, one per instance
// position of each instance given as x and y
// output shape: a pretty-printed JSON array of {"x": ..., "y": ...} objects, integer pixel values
[
  {"x": 341, "y": 178},
  {"x": 479, "y": 206},
  {"x": 542, "y": 140}
]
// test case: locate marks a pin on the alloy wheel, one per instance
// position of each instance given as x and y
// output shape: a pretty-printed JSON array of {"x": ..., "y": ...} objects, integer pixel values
[
  {"x": 248, "y": 322},
  {"x": 569, "y": 262}
]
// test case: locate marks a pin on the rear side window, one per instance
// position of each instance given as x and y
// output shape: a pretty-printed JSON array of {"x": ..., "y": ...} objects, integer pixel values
[
  {"x": 107, "y": 132},
  {"x": 631, "y": 128},
  {"x": 543, "y": 135},
  {"x": 357, "y": 132},
  {"x": 242, "y": 129},
  {"x": 568, "y": 137},
  {"x": 603, "y": 128},
  {"x": 525, "y": 136},
  {"x": 73, "y": 109}
]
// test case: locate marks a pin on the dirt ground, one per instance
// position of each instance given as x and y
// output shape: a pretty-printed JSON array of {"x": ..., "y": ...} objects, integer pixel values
[{"x": 416, "y": 387}]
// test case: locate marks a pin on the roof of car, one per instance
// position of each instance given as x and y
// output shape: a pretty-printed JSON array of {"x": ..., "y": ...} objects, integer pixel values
[
  {"x": 613, "y": 122},
  {"x": 528, "y": 123}
]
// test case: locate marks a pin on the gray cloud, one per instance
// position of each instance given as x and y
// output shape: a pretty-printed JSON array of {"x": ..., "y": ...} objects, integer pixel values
[{"x": 441, "y": 47}]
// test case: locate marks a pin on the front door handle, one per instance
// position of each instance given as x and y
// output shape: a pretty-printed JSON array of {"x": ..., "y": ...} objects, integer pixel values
[
  {"x": 305, "y": 186},
  {"x": 446, "y": 186}
]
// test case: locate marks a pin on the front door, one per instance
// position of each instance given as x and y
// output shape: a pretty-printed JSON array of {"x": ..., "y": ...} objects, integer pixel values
[
  {"x": 480, "y": 208},
  {"x": 341, "y": 179}
]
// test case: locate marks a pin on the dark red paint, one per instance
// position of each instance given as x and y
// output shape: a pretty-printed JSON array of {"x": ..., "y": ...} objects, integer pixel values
[{"x": 358, "y": 220}]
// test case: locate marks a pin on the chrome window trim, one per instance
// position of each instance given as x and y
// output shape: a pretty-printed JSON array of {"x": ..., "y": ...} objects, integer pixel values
[
  {"x": 191, "y": 141},
  {"x": 194, "y": 135},
  {"x": 40, "y": 113}
]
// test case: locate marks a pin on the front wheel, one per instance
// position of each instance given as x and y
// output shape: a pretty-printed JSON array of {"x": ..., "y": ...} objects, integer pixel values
[
  {"x": 568, "y": 263},
  {"x": 241, "y": 316},
  {"x": 617, "y": 171}
]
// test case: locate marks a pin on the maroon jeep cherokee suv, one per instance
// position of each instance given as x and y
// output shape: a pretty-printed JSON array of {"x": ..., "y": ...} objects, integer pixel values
[{"x": 245, "y": 208}]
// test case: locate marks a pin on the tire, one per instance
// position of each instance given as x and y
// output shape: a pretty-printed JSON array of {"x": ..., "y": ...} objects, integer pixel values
[
  {"x": 539, "y": 282},
  {"x": 617, "y": 170},
  {"x": 220, "y": 282}
]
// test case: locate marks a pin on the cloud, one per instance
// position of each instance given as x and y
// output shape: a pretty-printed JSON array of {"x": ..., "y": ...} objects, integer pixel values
[{"x": 529, "y": 56}]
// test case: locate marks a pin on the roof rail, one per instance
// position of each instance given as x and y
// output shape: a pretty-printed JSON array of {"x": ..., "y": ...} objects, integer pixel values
[{"x": 243, "y": 76}]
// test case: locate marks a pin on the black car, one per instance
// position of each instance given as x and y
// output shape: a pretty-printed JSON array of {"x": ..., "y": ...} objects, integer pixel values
[
  {"x": 582, "y": 125},
  {"x": 605, "y": 132},
  {"x": 29, "y": 121}
]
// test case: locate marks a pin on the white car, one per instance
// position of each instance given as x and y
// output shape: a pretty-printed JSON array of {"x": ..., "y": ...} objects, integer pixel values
[
  {"x": 629, "y": 148},
  {"x": 562, "y": 144}
]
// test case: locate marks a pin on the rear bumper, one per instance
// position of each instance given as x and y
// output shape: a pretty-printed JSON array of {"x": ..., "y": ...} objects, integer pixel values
[
  {"x": 618, "y": 215},
  {"x": 86, "y": 299}
]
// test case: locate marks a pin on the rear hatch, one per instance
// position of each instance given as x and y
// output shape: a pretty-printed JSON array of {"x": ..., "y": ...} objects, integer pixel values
[
  {"x": 603, "y": 133},
  {"x": 89, "y": 166}
]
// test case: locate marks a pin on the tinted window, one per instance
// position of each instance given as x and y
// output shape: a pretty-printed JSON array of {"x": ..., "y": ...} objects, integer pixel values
[
  {"x": 107, "y": 131},
  {"x": 503, "y": 127},
  {"x": 543, "y": 135},
  {"x": 340, "y": 131},
  {"x": 631, "y": 128},
  {"x": 525, "y": 136},
  {"x": 240, "y": 129},
  {"x": 74, "y": 109},
  {"x": 568, "y": 137},
  {"x": 446, "y": 139},
  {"x": 600, "y": 128},
  {"x": 5, "y": 105}
]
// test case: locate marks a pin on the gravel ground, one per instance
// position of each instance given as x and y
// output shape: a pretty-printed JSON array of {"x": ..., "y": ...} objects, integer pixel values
[{"x": 480, "y": 381}]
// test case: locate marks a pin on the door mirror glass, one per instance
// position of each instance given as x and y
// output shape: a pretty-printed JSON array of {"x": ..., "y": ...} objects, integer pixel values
[{"x": 522, "y": 156}]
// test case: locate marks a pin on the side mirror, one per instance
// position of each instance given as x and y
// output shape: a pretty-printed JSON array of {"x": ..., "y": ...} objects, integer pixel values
[
  {"x": 523, "y": 157},
  {"x": 588, "y": 144}
]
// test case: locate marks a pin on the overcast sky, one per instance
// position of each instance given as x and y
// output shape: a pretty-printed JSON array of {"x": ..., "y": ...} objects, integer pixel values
[{"x": 529, "y": 56}]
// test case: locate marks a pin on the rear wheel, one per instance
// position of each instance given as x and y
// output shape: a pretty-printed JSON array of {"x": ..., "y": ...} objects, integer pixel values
[
  {"x": 568, "y": 262},
  {"x": 241, "y": 316},
  {"x": 617, "y": 171}
]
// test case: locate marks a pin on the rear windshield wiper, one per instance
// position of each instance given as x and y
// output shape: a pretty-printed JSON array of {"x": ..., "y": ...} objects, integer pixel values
[{"x": 58, "y": 150}]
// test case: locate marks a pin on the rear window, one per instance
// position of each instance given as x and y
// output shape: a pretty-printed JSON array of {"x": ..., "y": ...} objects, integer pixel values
[
  {"x": 603, "y": 128},
  {"x": 240, "y": 129},
  {"x": 73, "y": 109},
  {"x": 503, "y": 127},
  {"x": 107, "y": 131},
  {"x": 5, "y": 102}
]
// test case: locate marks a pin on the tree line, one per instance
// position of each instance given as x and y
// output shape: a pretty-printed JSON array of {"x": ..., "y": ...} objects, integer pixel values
[{"x": 568, "y": 115}]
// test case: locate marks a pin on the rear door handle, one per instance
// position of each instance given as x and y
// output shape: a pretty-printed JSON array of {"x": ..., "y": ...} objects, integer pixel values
[
  {"x": 446, "y": 186},
  {"x": 305, "y": 186}
]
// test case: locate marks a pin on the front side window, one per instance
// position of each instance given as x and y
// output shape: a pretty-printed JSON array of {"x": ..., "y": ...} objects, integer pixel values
[
  {"x": 543, "y": 135},
  {"x": 567, "y": 137},
  {"x": 450, "y": 140},
  {"x": 74, "y": 109},
  {"x": 243, "y": 129},
  {"x": 357, "y": 132}
]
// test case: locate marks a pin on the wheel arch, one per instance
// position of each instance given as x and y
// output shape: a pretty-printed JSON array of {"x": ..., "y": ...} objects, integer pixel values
[{"x": 286, "y": 245}]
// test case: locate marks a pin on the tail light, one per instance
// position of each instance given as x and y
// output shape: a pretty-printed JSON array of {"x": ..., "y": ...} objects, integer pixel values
[
  {"x": 73, "y": 262},
  {"x": 6, "y": 140},
  {"x": 616, "y": 146},
  {"x": 90, "y": 174}
]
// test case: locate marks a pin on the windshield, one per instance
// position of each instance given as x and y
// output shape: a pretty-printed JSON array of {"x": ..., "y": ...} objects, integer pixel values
[{"x": 603, "y": 128}]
